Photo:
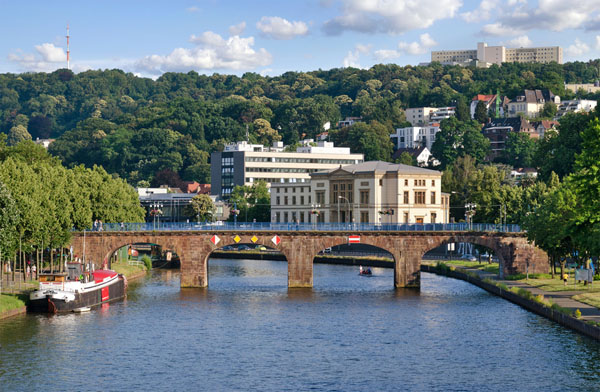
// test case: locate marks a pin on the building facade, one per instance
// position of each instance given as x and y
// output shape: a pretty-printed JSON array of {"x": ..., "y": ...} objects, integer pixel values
[
  {"x": 487, "y": 55},
  {"x": 497, "y": 131},
  {"x": 415, "y": 137},
  {"x": 243, "y": 164},
  {"x": 426, "y": 116},
  {"x": 575, "y": 106},
  {"x": 372, "y": 192},
  {"x": 531, "y": 102}
]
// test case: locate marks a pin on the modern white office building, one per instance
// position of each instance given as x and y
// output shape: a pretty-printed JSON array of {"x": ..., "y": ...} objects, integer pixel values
[
  {"x": 415, "y": 137},
  {"x": 242, "y": 163},
  {"x": 576, "y": 106},
  {"x": 486, "y": 55},
  {"x": 370, "y": 192},
  {"x": 426, "y": 115}
]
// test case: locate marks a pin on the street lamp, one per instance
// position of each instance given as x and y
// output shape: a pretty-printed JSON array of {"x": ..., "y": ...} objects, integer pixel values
[
  {"x": 155, "y": 212},
  {"x": 469, "y": 212},
  {"x": 348, "y": 211},
  {"x": 315, "y": 212},
  {"x": 235, "y": 213}
]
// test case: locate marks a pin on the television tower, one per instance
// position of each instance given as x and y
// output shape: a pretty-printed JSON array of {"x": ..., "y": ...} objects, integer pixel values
[{"x": 68, "y": 50}]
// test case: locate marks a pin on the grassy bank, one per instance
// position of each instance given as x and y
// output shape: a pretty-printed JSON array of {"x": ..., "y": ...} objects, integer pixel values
[
  {"x": 10, "y": 302},
  {"x": 127, "y": 269}
]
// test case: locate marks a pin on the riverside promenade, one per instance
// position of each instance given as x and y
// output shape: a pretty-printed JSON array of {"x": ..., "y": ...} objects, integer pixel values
[{"x": 589, "y": 313}]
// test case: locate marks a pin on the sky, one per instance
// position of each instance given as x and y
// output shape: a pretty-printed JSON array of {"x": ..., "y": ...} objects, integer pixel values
[{"x": 270, "y": 37}]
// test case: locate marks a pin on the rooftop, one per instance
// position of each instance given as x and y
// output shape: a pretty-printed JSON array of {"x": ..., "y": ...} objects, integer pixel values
[{"x": 380, "y": 167}]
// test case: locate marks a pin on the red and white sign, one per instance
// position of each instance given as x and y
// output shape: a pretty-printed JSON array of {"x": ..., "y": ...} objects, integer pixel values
[
  {"x": 354, "y": 239},
  {"x": 276, "y": 240},
  {"x": 215, "y": 240}
]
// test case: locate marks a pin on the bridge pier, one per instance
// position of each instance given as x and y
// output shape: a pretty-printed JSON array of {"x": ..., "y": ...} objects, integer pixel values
[
  {"x": 194, "y": 263},
  {"x": 299, "y": 253}
]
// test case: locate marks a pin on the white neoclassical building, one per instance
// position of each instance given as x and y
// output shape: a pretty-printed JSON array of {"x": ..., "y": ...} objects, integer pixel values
[{"x": 371, "y": 192}]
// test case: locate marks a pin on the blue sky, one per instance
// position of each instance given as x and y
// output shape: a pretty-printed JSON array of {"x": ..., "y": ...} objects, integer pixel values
[{"x": 274, "y": 36}]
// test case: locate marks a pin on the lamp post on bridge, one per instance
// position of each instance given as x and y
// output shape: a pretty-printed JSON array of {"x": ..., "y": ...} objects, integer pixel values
[
  {"x": 155, "y": 212},
  {"x": 470, "y": 211},
  {"x": 348, "y": 210},
  {"x": 315, "y": 212}
]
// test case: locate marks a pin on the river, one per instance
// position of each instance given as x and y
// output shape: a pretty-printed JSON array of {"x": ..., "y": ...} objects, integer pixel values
[{"x": 247, "y": 331}]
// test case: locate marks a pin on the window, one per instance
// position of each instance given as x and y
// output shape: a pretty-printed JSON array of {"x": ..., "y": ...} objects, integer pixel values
[
  {"x": 285, "y": 217},
  {"x": 364, "y": 217},
  {"x": 406, "y": 217},
  {"x": 302, "y": 200},
  {"x": 380, "y": 182},
  {"x": 285, "y": 200},
  {"x": 278, "y": 202},
  {"x": 432, "y": 197},
  {"x": 320, "y": 197},
  {"x": 433, "y": 217},
  {"x": 432, "y": 182},
  {"x": 419, "y": 197},
  {"x": 277, "y": 217},
  {"x": 293, "y": 200},
  {"x": 406, "y": 197},
  {"x": 364, "y": 197},
  {"x": 406, "y": 182}
]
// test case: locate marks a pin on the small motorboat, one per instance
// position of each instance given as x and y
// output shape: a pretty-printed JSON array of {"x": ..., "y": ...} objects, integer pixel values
[{"x": 365, "y": 271}]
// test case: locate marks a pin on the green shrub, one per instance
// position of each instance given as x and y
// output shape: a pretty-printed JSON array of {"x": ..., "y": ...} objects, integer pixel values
[
  {"x": 577, "y": 313},
  {"x": 147, "y": 262}
]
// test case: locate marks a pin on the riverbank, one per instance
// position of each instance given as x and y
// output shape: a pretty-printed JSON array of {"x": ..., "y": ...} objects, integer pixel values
[
  {"x": 12, "y": 305},
  {"x": 557, "y": 307}
]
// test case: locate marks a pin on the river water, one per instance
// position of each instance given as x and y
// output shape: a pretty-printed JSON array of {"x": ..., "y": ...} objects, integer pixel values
[{"x": 247, "y": 331}]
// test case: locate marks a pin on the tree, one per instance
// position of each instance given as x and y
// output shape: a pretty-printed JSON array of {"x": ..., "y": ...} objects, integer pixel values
[
  {"x": 17, "y": 134},
  {"x": 462, "y": 111},
  {"x": 9, "y": 221},
  {"x": 406, "y": 159},
  {"x": 456, "y": 139},
  {"x": 202, "y": 207},
  {"x": 519, "y": 149},
  {"x": 549, "y": 110},
  {"x": 371, "y": 139},
  {"x": 481, "y": 113},
  {"x": 264, "y": 133},
  {"x": 253, "y": 202}
]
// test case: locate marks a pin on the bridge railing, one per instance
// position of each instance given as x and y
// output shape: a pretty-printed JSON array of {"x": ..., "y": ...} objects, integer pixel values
[{"x": 349, "y": 227}]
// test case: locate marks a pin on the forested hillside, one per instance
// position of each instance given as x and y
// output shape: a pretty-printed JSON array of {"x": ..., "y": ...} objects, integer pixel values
[{"x": 146, "y": 130}]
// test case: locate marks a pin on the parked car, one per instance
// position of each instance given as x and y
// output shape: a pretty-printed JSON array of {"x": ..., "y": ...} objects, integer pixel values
[
  {"x": 468, "y": 257},
  {"x": 243, "y": 247},
  {"x": 228, "y": 247},
  {"x": 260, "y": 247}
]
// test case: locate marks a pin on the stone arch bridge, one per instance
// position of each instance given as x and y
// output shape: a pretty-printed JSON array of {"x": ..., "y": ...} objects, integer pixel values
[{"x": 300, "y": 247}]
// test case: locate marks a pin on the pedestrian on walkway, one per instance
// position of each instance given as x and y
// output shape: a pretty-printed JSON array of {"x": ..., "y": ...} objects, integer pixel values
[
  {"x": 33, "y": 272},
  {"x": 565, "y": 278}
]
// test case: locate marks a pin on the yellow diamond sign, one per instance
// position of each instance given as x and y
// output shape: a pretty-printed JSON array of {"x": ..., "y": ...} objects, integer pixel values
[
  {"x": 237, "y": 239},
  {"x": 254, "y": 239}
]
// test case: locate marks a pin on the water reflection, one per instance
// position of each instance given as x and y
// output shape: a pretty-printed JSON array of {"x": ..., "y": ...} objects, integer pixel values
[{"x": 248, "y": 331}]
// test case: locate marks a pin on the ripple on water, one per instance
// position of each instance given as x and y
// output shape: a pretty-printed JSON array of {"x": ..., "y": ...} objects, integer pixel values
[{"x": 247, "y": 331}]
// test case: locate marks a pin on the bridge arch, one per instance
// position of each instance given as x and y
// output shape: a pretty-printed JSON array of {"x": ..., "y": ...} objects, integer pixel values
[{"x": 492, "y": 243}]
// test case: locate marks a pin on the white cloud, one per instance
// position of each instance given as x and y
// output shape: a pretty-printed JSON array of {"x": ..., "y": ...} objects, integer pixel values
[
  {"x": 498, "y": 29},
  {"x": 598, "y": 42},
  {"x": 237, "y": 29},
  {"x": 522, "y": 41},
  {"x": 554, "y": 15},
  {"x": 279, "y": 28},
  {"x": 353, "y": 57},
  {"x": 376, "y": 16},
  {"x": 192, "y": 9},
  {"x": 483, "y": 12},
  {"x": 211, "y": 52},
  {"x": 412, "y": 48},
  {"x": 47, "y": 58},
  {"x": 577, "y": 49}
]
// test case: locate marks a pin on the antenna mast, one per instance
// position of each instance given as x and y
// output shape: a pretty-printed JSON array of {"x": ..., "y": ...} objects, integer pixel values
[{"x": 68, "y": 50}]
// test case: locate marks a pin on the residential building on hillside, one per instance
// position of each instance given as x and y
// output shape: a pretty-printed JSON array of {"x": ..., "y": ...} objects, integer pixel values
[
  {"x": 531, "y": 102},
  {"x": 243, "y": 164},
  {"x": 497, "y": 131},
  {"x": 415, "y": 137},
  {"x": 575, "y": 105},
  {"x": 486, "y": 55},
  {"x": 421, "y": 154},
  {"x": 370, "y": 192},
  {"x": 348, "y": 121},
  {"x": 490, "y": 104},
  {"x": 585, "y": 87},
  {"x": 426, "y": 115},
  {"x": 543, "y": 126}
]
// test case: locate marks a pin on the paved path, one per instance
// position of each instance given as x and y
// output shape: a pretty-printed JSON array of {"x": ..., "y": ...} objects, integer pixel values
[{"x": 561, "y": 298}]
